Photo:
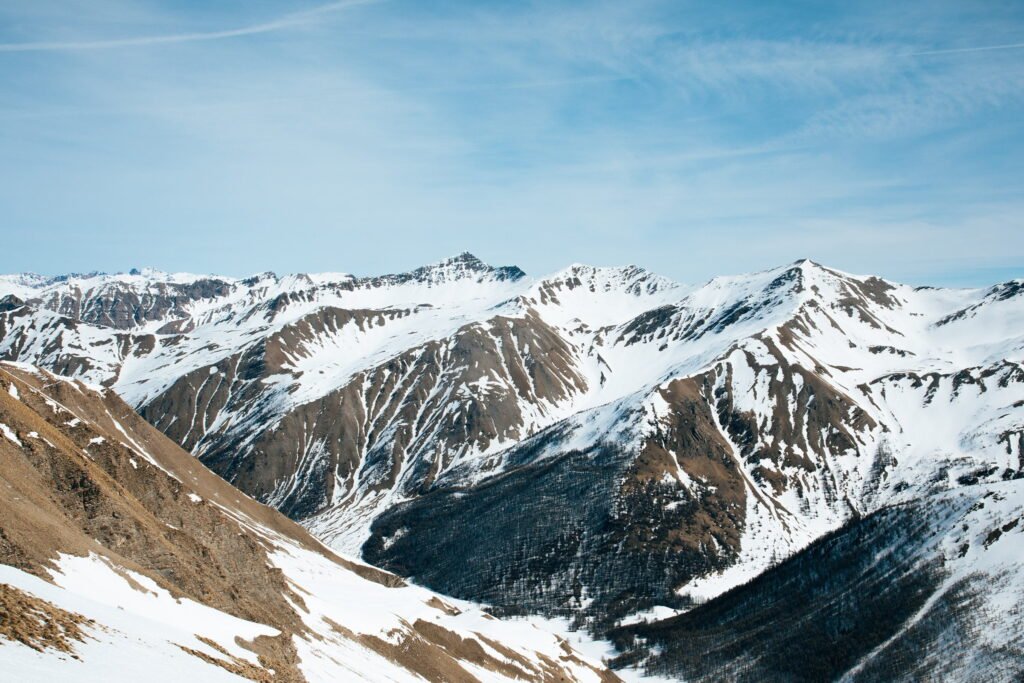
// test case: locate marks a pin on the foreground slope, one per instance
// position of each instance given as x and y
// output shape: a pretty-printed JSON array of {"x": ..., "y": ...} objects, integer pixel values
[{"x": 122, "y": 557}]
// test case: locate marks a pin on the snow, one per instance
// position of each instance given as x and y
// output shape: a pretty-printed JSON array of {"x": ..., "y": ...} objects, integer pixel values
[
  {"x": 139, "y": 632},
  {"x": 592, "y": 308},
  {"x": 656, "y": 613},
  {"x": 9, "y": 433},
  {"x": 139, "y": 626},
  {"x": 966, "y": 519},
  {"x": 601, "y": 297},
  {"x": 97, "y": 578},
  {"x": 595, "y": 650}
]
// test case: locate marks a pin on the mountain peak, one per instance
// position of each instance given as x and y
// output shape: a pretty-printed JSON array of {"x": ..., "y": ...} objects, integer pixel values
[
  {"x": 629, "y": 278},
  {"x": 460, "y": 267},
  {"x": 466, "y": 257}
]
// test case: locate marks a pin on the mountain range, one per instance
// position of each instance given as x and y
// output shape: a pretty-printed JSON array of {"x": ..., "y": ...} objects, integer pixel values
[{"x": 796, "y": 474}]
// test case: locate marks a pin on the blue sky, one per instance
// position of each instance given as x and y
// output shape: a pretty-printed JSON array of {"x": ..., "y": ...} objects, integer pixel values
[{"x": 695, "y": 139}]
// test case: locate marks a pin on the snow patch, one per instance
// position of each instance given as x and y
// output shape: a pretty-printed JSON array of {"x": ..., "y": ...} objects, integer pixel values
[{"x": 9, "y": 433}]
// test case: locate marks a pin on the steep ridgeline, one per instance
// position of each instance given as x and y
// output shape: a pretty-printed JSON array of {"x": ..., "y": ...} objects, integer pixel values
[
  {"x": 594, "y": 444},
  {"x": 122, "y": 559}
]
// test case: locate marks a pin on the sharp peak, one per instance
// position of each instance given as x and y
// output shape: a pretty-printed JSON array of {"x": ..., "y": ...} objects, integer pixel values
[
  {"x": 803, "y": 272},
  {"x": 465, "y": 260},
  {"x": 459, "y": 266},
  {"x": 807, "y": 265},
  {"x": 464, "y": 257}
]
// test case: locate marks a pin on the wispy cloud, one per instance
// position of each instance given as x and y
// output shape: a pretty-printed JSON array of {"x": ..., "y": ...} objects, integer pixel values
[
  {"x": 290, "y": 20},
  {"x": 955, "y": 50}
]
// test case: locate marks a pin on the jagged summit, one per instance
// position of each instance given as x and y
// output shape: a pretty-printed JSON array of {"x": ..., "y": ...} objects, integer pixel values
[
  {"x": 465, "y": 258},
  {"x": 629, "y": 277},
  {"x": 461, "y": 266}
]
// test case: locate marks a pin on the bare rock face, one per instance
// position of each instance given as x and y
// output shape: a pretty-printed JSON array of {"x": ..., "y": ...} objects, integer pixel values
[
  {"x": 602, "y": 444},
  {"x": 124, "y": 307},
  {"x": 391, "y": 427}
]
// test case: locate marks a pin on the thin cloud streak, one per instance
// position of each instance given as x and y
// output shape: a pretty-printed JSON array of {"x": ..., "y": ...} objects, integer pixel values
[
  {"x": 982, "y": 48},
  {"x": 286, "y": 21}
]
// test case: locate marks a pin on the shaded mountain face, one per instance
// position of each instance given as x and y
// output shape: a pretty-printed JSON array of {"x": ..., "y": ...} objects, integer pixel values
[
  {"x": 591, "y": 534},
  {"x": 124, "y": 558},
  {"x": 926, "y": 590},
  {"x": 596, "y": 444}
]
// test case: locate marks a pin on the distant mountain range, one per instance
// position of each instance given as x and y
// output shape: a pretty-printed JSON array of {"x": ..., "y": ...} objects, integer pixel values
[{"x": 669, "y": 466}]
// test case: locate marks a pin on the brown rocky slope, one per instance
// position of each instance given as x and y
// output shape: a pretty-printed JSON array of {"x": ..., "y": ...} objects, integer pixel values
[{"x": 104, "y": 519}]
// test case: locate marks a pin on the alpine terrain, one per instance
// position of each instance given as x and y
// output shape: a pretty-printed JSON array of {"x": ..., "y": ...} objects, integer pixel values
[{"x": 796, "y": 474}]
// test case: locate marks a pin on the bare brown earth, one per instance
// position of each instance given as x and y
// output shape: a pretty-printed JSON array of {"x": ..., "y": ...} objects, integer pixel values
[
  {"x": 68, "y": 495},
  {"x": 434, "y": 652},
  {"x": 690, "y": 437},
  {"x": 40, "y": 625}
]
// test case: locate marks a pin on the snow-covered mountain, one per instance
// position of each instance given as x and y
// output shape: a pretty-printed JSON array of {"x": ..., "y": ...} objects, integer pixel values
[
  {"x": 596, "y": 443},
  {"x": 124, "y": 559}
]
